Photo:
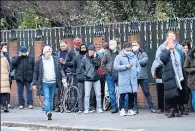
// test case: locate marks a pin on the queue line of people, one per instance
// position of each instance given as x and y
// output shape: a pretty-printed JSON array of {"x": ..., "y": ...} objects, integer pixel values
[{"x": 173, "y": 70}]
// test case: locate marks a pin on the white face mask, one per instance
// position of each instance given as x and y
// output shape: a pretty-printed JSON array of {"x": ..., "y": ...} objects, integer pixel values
[
  {"x": 135, "y": 48},
  {"x": 4, "y": 49},
  {"x": 112, "y": 47}
]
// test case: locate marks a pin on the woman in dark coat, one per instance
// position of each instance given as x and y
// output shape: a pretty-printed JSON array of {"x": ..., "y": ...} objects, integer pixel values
[
  {"x": 172, "y": 77},
  {"x": 189, "y": 67}
]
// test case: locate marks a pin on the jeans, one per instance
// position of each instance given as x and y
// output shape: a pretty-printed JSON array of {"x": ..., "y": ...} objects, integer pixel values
[
  {"x": 193, "y": 99},
  {"x": 48, "y": 92},
  {"x": 144, "y": 85},
  {"x": 97, "y": 88},
  {"x": 57, "y": 97},
  {"x": 81, "y": 95},
  {"x": 20, "y": 86},
  {"x": 160, "y": 94},
  {"x": 130, "y": 100},
  {"x": 111, "y": 91}
]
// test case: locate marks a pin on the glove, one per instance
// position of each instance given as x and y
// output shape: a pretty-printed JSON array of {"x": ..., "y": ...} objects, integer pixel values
[{"x": 64, "y": 82}]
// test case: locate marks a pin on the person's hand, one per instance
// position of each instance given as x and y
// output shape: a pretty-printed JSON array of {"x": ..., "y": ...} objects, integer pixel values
[
  {"x": 64, "y": 82},
  {"x": 62, "y": 61},
  {"x": 33, "y": 86},
  {"x": 94, "y": 54},
  {"x": 20, "y": 54},
  {"x": 129, "y": 66}
]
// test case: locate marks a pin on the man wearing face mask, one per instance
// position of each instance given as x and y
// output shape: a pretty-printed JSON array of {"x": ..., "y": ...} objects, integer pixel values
[
  {"x": 127, "y": 65},
  {"x": 23, "y": 64},
  {"x": 72, "y": 53},
  {"x": 48, "y": 78},
  {"x": 80, "y": 77},
  {"x": 142, "y": 76},
  {"x": 111, "y": 73}
]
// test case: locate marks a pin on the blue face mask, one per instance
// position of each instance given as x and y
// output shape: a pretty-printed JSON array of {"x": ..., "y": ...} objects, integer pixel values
[{"x": 128, "y": 53}]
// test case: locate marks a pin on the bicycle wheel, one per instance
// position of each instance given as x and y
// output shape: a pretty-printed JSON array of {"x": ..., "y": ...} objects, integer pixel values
[
  {"x": 71, "y": 99},
  {"x": 106, "y": 104}
]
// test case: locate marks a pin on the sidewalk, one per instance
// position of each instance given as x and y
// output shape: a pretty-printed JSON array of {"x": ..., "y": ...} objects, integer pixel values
[{"x": 106, "y": 121}]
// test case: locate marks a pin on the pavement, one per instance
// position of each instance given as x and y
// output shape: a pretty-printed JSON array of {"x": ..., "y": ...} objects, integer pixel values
[{"x": 144, "y": 121}]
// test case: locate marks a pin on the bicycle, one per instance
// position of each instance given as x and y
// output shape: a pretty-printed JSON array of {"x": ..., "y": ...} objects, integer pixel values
[
  {"x": 69, "y": 95},
  {"x": 106, "y": 99}
]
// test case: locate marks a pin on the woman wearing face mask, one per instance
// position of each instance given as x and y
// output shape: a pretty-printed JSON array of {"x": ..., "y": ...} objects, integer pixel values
[
  {"x": 24, "y": 65},
  {"x": 128, "y": 67}
]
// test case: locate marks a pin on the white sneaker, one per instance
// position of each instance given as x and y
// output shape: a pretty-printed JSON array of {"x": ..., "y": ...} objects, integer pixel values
[
  {"x": 131, "y": 113},
  {"x": 86, "y": 111},
  {"x": 122, "y": 112},
  {"x": 21, "y": 107},
  {"x": 99, "y": 110}
]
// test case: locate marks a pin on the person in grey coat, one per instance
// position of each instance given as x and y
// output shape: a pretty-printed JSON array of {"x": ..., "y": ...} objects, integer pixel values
[
  {"x": 128, "y": 67},
  {"x": 142, "y": 76}
]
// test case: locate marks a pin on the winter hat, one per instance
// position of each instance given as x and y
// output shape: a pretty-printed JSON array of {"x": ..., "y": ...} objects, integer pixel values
[
  {"x": 47, "y": 48},
  {"x": 91, "y": 47},
  {"x": 23, "y": 48}
]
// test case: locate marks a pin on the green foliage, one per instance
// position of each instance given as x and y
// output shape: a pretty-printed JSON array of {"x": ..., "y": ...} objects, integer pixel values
[{"x": 31, "y": 21}]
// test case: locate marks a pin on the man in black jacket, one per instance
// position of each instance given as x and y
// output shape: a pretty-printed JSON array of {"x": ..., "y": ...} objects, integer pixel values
[
  {"x": 24, "y": 65},
  {"x": 47, "y": 78},
  {"x": 89, "y": 67},
  {"x": 80, "y": 77}
]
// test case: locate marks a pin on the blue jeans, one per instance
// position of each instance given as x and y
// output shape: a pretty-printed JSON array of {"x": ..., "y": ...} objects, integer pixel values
[
  {"x": 144, "y": 85},
  {"x": 48, "y": 92},
  {"x": 111, "y": 91},
  {"x": 20, "y": 86},
  {"x": 193, "y": 99}
]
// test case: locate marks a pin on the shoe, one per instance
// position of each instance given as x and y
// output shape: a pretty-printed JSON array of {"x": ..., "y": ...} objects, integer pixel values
[
  {"x": 177, "y": 113},
  {"x": 186, "y": 109},
  {"x": 75, "y": 110},
  {"x": 6, "y": 110},
  {"x": 92, "y": 110},
  {"x": 136, "y": 111},
  {"x": 131, "y": 113},
  {"x": 21, "y": 107},
  {"x": 57, "y": 109},
  {"x": 30, "y": 107},
  {"x": 86, "y": 111},
  {"x": 160, "y": 111},
  {"x": 153, "y": 110},
  {"x": 10, "y": 106},
  {"x": 49, "y": 115},
  {"x": 80, "y": 111},
  {"x": 114, "y": 111},
  {"x": 122, "y": 112},
  {"x": 99, "y": 110},
  {"x": 185, "y": 112},
  {"x": 171, "y": 114}
]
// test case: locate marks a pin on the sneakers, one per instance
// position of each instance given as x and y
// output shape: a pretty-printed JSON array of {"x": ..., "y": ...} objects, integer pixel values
[
  {"x": 153, "y": 110},
  {"x": 122, "y": 112},
  {"x": 80, "y": 111},
  {"x": 30, "y": 107},
  {"x": 136, "y": 111},
  {"x": 99, "y": 110},
  {"x": 92, "y": 110},
  {"x": 49, "y": 115},
  {"x": 131, "y": 113},
  {"x": 160, "y": 111},
  {"x": 86, "y": 111},
  {"x": 10, "y": 106},
  {"x": 21, "y": 107}
]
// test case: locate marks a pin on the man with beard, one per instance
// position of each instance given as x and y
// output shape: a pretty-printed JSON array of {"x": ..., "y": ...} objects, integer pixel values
[{"x": 80, "y": 77}]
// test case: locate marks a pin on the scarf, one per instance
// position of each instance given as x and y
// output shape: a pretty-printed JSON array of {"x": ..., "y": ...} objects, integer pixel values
[{"x": 176, "y": 62}]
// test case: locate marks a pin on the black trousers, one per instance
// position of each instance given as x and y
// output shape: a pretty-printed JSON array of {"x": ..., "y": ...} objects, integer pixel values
[
  {"x": 130, "y": 100},
  {"x": 160, "y": 95},
  {"x": 4, "y": 98}
]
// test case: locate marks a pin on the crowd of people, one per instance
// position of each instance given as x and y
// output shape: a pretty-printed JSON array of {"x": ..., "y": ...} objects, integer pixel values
[{"x": 99, "y": 64}]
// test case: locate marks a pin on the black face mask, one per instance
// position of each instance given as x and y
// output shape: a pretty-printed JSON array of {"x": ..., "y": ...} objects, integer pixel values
[{"x": 82, "y": 52}]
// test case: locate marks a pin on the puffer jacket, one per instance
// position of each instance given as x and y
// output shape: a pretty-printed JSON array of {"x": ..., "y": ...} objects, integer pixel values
[
  {"x": 89, "y": 68},
  {"x": 127, "y": 78},
  {"x": 69, "y": 61},
  {"x": 5, "y": 69},
  {"x": 24, "y": 67},
  {"x": 77, "y": 66}
]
